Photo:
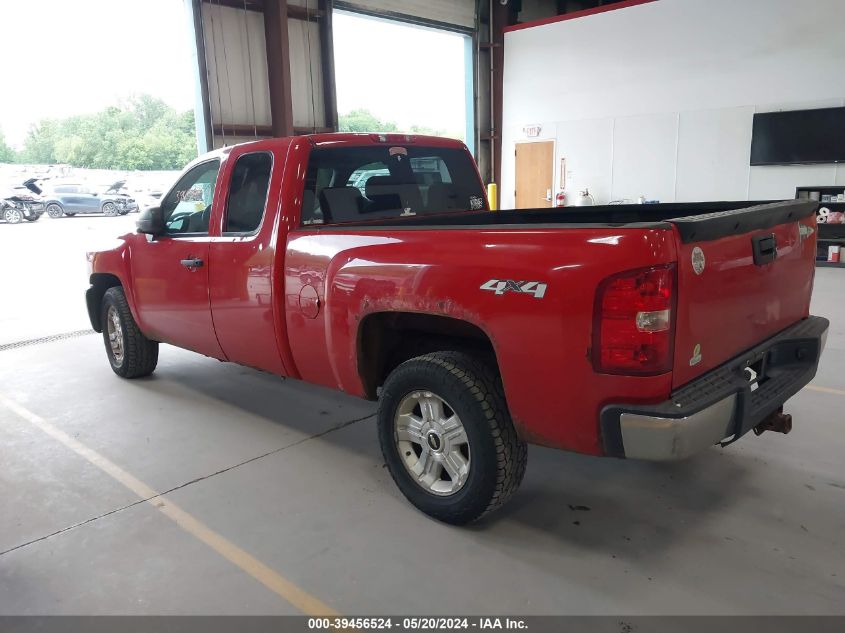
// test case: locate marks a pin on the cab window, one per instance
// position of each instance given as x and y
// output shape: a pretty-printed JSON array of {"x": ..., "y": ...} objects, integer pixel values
[
  {"x": 248, "y": 188},
  {"x": 354, "y": 184},
  {"x": 187, "y": 207}
]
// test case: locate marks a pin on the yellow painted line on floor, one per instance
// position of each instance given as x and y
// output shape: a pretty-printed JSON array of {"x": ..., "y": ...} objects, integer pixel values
[
  {"x": 267, "y": 576},
  {"x": 835, "y": 392}
]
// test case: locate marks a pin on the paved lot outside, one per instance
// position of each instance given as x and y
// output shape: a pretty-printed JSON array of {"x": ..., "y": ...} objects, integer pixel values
[{"x": 42, "y": 286}]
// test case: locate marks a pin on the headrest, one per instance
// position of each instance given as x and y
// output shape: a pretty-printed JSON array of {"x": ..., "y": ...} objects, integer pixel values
[{"x": 381, "y": 186}]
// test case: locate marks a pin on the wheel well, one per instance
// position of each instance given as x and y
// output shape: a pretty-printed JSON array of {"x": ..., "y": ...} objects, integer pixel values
[
  {"x": 388, "y": 339},
  {"x": 100, "y": 282}
]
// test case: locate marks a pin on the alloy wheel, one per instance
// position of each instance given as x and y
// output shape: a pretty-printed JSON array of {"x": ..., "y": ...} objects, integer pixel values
[
  {"x": 432, "y": 442},
  {"x": 115, "y": 333}
]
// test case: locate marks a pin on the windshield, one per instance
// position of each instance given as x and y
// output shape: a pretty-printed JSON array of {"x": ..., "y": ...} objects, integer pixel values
[{"x": 353, "y": 184}]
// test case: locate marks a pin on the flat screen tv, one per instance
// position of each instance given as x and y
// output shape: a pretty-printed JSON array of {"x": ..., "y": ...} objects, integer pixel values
[{"x": 798, "y": 137}]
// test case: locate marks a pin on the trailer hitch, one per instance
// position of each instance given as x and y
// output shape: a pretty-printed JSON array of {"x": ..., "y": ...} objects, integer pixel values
[{"x": 776, "y": 421}]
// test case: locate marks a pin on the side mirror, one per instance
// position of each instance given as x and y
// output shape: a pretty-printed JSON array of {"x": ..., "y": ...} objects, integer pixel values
[{"x": 151, "y": 221}]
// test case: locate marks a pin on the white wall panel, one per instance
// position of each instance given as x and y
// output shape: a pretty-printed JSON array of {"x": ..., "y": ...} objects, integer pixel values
[
  {"x": 709, "y": 65},
  {"x": 587, "y": 147},
  {"x": 776, "y": 182},
  {"x": 713, "y": 154},
  {"x": 639, "y": 141},
  {"x": 236, "y": 57}
]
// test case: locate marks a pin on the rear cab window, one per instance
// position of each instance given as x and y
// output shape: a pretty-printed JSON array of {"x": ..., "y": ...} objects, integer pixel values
[
  {"x": 357, "y": 184},
  {"x": 248, "y": 187}
]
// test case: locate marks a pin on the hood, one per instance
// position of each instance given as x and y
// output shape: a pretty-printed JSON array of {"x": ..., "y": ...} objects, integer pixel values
[
  {"x": 117, "y": 186},
  {"x": 32, "y": 186}
]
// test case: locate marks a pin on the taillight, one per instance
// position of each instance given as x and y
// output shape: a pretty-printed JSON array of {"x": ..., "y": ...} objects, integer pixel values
[{"x": 634, "y": 322}]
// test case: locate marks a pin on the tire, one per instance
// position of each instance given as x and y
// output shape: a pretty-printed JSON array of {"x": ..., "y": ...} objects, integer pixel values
[
  {"x": 132, "y": 355},
  {"x": 55, "y": 210},
  {"x": 494, "y": 458},
  {"x": 13, "y": 215},
  {"x": 110, "y": 209}
]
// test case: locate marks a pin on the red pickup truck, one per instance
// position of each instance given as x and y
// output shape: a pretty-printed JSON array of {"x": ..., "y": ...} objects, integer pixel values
[{"x": 372, "y": 264}]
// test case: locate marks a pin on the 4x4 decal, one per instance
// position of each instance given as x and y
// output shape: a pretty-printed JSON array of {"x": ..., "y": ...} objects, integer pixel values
[{"x": 501, "y": 286}]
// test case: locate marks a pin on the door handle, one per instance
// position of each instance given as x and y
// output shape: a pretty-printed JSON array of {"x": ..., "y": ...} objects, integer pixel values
[{"x": 192, "y": 263}]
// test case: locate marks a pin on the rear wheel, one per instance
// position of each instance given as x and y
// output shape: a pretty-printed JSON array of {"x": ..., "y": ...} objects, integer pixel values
[
  {"x": 130, "y": 353},
  {"x": 110, "y": 209},
  {"x": 13, "y": 216},
  {"x": 447, "y": 437},
  {"x": 55, "y": 210}
]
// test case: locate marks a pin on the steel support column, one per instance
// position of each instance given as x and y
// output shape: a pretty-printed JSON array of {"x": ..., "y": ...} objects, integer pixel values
[
  {"x": 327, "y": 60},
  {"x": 278, "y": 66}
]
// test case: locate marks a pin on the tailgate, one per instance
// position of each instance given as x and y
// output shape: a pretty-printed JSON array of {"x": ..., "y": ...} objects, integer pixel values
[{"x": 743, "y": 276}]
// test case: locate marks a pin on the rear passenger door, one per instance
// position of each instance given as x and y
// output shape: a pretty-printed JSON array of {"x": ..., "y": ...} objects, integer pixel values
[{"x": 243, "y": 262}]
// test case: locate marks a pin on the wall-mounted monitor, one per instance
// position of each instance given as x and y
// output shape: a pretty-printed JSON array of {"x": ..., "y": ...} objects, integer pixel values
[{"x": 798, "y": 137}]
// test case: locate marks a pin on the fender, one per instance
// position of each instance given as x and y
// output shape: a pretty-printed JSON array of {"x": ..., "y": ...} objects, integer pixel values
[{"x": 115, "y": 261}]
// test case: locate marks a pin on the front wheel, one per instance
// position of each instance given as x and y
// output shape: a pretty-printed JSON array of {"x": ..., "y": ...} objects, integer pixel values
[
  {"x": 110, "y": 209},
  {"x": 13, "y": 216},
  {"x": 130, "y": 353},
  {"x": 447, "y": 437}
]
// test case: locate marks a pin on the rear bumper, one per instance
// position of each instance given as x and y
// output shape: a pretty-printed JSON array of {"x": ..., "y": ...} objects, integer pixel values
[{"x": 720, "y": 404}]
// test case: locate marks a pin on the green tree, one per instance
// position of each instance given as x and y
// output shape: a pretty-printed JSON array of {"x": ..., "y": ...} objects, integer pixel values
[
  {"x": 141, "y": 133},
  {"x": 7, "y": 154},
  {"x": 362, "y": 120}
]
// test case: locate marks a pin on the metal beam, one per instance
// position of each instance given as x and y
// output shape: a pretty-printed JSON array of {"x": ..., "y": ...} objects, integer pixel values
[
  {"x": 501, "y": 16},
  {"x": 302, "y": 13},
  {"x": 278, "y": 66},
  {"x": 202, "y": 109},
  {"x": 327, "y": 63},
  {"x": 249, "y": 5},
  {"x": 263, "y": 131}
]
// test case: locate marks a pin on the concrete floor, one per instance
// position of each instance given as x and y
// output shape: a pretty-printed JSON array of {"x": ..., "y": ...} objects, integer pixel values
[{"x": 756, "y": 528}]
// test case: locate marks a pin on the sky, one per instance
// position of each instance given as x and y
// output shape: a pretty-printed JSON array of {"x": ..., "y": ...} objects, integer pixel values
[
  {"x": 76, "y": 57},
  {"x": 402, "y": 73}
]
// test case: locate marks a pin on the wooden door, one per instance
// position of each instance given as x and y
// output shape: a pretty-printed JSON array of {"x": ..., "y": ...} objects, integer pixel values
[{"x": 534, "y": 174}]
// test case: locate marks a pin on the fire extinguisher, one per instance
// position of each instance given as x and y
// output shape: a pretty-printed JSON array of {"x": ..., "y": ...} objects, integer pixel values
[{"x": 560, "y": 199}]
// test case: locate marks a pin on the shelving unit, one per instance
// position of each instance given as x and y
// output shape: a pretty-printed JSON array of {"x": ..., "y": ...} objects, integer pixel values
[{"x": 829, "y": 234}]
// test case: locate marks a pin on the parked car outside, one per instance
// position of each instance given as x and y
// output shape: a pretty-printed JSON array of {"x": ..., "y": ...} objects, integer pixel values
[
  {"x": 21, "y": 202},
  {"x": 71, "y": 199}
]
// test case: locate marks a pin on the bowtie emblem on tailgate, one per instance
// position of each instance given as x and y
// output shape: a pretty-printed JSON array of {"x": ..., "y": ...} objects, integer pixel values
[
  {"x": 501, "y": 286},
  {"x": 805, "y": 231}
]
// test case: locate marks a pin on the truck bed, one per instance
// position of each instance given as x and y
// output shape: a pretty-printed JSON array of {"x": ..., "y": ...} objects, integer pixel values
[{"x": 694, "y": 220}]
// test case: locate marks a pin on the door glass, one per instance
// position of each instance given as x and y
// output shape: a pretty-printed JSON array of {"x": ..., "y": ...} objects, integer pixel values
[
  {"x": 248, "y": 193},
  {"x": 187, "y": 208}
]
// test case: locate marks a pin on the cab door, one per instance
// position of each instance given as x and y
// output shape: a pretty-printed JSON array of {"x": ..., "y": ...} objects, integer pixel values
[
  {"x": 243, "y": 271},
  {"x": 171, "y": 271}
]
